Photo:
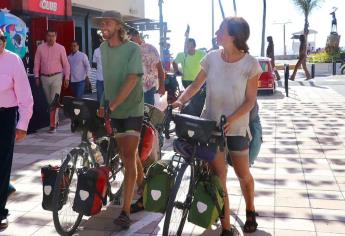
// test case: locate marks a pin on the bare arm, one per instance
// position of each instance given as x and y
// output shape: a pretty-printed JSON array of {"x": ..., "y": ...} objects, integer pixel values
[
  {"x": 192, "y": 89},
  {"x": 249, "y": 102},
  {"x": 175, "y": 66},
  {"x": 125, "y": 90},
  {"x": 161, "y": 78}
]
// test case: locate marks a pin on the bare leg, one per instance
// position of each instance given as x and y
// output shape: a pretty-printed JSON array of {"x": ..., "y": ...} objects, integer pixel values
[
  {"x": 298, "y": 64},
  {"x": 140, "y": 172},
  {"x": 240, "y": 161},
  {"x": 129, "y": 145},
  {"x": 304, "y": 65}
]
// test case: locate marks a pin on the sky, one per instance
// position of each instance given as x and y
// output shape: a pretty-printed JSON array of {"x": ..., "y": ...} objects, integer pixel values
[{"x": 197, "y": 13}]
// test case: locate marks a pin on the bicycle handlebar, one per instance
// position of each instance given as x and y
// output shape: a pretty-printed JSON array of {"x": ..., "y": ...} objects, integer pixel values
[{"x": 168, "y": 117}]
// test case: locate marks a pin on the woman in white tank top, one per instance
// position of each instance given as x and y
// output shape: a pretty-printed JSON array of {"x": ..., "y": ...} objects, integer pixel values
[{"x": 231, "y": 75}]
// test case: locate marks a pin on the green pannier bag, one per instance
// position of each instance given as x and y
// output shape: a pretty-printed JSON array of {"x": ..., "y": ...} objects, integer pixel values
[
  {"x": 158, "y": 184},
  {"x": 208, "y": 202}
]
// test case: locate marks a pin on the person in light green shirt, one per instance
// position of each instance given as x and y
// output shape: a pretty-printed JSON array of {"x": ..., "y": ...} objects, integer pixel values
[
  {"x": 190, "y": 62},
  {"x": 122, "y": 74}
]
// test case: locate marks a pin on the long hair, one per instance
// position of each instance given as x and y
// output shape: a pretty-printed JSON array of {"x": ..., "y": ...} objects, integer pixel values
[
  {"x": 238, "y": 28},
  {"x": 123, "y": 34}
]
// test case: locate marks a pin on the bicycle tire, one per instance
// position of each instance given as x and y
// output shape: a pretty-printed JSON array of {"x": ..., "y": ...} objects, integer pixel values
[
  {"x": 170, "y": 213},
  {"x": 342, "y": 70},
  {"x": 71, "y": 158}
]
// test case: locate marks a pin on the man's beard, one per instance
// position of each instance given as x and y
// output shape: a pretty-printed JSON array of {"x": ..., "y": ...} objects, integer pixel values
[{"x": 109, "y": 35}]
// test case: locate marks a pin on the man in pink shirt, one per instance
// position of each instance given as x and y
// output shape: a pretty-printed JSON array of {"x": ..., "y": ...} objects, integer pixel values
[
  {"x": 15, "y": 95},
  {"x": 51, "y": 65}
]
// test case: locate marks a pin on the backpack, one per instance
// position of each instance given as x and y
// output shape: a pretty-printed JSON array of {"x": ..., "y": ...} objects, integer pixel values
[
  {"x": 48, "y": 175},
  {"x": 208, "y": 202},
  {"x": 158, "y": 184},
  {"x": 91, "y": 190}
]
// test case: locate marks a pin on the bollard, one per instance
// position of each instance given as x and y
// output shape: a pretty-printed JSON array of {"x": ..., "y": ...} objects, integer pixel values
[
  {"x": 313, "y": 70},
  {"x": 334, "y": 68},
  {"x": 286, "y": 79}
]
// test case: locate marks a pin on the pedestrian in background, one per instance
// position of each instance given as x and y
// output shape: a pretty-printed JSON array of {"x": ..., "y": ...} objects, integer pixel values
[
  {"x": 80, "y": 70},
  {"x": 97, "y": 64},
  {"x": 51, "y": 66},
  {"x": 15, "y": 96},
  {"x": 270, "y": 54},
  {"x": 190, "y": 62},
  {"x": 166, "y": 57},
  {"x": 153, "y": 70},
  {"x": 302, "y": 60}
]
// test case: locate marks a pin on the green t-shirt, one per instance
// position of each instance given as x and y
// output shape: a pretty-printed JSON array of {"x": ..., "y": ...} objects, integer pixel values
[
  {"x": 190, "y": 64},
  {"x": 117, "y": 64}
]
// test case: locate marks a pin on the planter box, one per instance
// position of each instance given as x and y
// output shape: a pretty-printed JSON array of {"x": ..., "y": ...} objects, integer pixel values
[{"x": 324, "y": 68}]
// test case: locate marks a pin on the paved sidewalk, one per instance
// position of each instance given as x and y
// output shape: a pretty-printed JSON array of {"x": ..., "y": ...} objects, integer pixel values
[{"x": 299, "y": 176}]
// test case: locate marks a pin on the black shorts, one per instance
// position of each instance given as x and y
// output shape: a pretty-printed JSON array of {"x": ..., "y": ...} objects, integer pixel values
[
  {"x": 237, "y": 143},
  {"x": 128, "y": 125}
]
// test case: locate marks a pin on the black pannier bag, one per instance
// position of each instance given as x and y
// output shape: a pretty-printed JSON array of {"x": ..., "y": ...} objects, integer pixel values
[
  {"x": 49, "y": 174},
  {"x": 91, "y": 190},
  {"x": 82, "y": 113},
  {"x": 194, "y": 128}
]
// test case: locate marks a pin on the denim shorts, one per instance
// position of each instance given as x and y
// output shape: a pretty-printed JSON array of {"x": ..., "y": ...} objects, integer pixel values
[{"x": 237, "y": 143}]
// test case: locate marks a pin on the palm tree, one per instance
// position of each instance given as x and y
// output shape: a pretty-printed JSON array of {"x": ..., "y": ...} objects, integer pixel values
[
  {"x": 235, "y": 8},
  {"x": 263, "y": 29},
  {"x": 306, "y": 7}
]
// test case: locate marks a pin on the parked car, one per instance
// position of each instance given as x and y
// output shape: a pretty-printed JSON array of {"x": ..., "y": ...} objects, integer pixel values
[{"x": 267, "y": 78}]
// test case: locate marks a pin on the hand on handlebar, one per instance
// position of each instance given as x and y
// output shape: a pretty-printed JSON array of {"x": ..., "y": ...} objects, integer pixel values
[
  {"x": 100, "y": 112},
  {"x": 177, "y": 104}
]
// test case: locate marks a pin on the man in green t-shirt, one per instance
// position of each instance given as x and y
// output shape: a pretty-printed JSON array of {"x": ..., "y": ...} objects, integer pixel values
[
  {"x": 122, "y": 74},
  {"x": 190, "y": 62}
]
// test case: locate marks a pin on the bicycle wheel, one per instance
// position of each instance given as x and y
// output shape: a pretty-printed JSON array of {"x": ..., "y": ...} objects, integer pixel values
[
  {"x": 180, "y": 201},
  {"x": 66, "y": 221}
]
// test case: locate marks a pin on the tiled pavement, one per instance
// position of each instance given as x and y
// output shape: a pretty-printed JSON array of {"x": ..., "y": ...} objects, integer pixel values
[{"x": 299, "y": 176}]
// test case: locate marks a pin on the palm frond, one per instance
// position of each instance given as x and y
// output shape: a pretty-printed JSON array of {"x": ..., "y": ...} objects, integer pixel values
[{"x": 307, "y": 6}]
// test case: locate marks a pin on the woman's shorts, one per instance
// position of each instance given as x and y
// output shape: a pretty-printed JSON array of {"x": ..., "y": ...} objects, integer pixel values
[
  {"x": 237, "y": 143},
  {"x": 128, "y": 126}
]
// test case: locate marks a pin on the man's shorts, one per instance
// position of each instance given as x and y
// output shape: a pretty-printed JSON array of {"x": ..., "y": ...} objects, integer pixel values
[{"x": 128, "y": 126}]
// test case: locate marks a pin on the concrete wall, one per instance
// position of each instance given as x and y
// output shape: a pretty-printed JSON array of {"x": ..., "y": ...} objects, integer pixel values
[{"x": 128, "y": 8}]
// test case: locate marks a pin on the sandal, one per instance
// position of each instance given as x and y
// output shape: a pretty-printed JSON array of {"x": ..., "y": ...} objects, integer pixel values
[
  {"x": 123, "y": 220},
  {"x": 251, "y": 225},
  {"x": 230, "y": 232},
  {"x": 137, "y": 206}
]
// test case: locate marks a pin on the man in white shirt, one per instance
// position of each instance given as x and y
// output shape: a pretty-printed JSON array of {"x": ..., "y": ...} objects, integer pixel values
[
  {"x": 97, "y": 63},
  {"x": 80, "y": 70}
]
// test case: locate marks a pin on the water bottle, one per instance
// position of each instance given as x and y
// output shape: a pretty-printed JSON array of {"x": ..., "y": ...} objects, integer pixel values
[{"x": 97, "y": 153}]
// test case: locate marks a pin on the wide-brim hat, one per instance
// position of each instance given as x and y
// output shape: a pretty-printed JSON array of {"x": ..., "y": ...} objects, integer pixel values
[{"x": 111, "y": 15}]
